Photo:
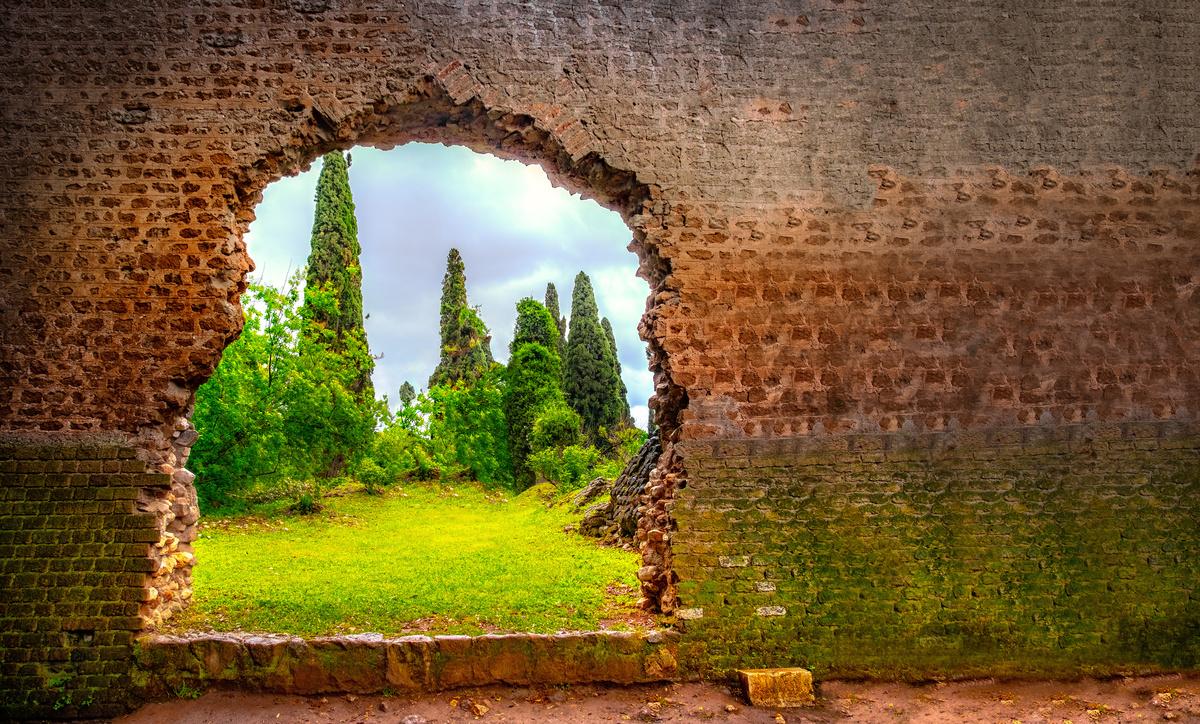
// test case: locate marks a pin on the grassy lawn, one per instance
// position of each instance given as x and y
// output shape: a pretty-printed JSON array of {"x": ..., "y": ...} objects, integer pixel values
[{"x": 425, "y": 559}]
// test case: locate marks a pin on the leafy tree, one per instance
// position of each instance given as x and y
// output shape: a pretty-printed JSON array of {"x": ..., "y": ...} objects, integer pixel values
[
  {"x": 333, "y": 260},
  {"x": 239, "y": 411},
  {"x": 626, "y": 418},
  {"x": 466, "y": 427},
  {"x": 560, "y": 322},
  {"x": 280, "y": 404},
  {"x": 591, "y": 384},
  {"x": 559, "y": 454},
  {"x": 466, "y": 352},
  {"x": 567, "y": 468},
  {"x": 328, "y": 415},
  {"x": 533, "y": 381}
]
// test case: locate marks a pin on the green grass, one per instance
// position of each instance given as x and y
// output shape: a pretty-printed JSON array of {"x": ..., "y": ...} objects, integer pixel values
[{"x": 424, "y": 559}]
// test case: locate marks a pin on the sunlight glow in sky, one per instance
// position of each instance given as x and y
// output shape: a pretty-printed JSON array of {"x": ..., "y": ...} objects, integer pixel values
[{"x": 516, "y": 232}]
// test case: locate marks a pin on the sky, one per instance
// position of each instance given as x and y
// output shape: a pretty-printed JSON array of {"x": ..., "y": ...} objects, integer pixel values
[{"x": 515, "y": 231}]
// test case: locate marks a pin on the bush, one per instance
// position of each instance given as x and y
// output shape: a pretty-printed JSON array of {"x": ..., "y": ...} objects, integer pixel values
[
  {"x": 466, "y": 429},
  {"x": 373, "y": 477},
  {"x": 567, "y": 468},
  {"x": 557, "y": 426}
]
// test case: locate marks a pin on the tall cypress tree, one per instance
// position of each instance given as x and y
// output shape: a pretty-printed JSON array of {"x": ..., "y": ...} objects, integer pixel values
[
  {"x": 333, "y": 266},
  {"x": 533, "y": 381},
  {"x": 590, "y": 380},
  {"x": 624, "y": 393},
  {"x": 560, "y": 321},
  {"x": 333, "y": 259},
  {"x": 466, "y": 351}
]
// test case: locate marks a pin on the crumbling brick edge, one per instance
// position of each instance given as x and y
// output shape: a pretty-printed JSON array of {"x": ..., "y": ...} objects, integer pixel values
[{"x": 166, "y": 666}]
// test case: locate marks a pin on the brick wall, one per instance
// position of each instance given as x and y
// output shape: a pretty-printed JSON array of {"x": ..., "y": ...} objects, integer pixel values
[
  {"x": 1047, "y": 551},
  {"x": 73, "y": 569},
  {"x": 857, "y": 218}
]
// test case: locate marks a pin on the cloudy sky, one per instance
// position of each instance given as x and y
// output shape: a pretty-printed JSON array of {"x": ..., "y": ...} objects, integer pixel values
[{"x": 515, "y": 231}]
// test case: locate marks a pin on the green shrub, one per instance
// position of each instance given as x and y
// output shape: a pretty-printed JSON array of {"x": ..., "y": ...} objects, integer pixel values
[
  {"x": 567, "y": 468},
  {"x": 373, "y": 477}
]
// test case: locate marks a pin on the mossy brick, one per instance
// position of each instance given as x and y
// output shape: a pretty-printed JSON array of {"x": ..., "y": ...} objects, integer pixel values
[
  {"x": 89, "y": 466},
  {"x": 125, "y": 623},
  {"x": 133, "y": 466}
]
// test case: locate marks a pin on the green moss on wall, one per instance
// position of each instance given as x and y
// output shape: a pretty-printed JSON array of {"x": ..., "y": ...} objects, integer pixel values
[
  {"x": 1064, "y": 557},
  {"x": 73, "y": 563}
]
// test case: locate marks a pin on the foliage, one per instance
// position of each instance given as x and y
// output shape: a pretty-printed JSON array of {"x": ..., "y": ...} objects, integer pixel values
[
  {"x": 466, "y": 352},
  {"x": 533, "y": 382},
  {"x": 591, "y": 384},
  {"x": 279, "y": 405},
  {"x": 466, "y": 428},
  {"x": 556, "y": 427},
  {"x": 534, "y": 325},
  {"x": 626, "y": 418},
  {"x": 559, "y": 454},
  {"x": 625, "y": 442},
  {"x": 560, "y": 322},
  {"x": 476, "y": 562},
  {"x": 290, "y": 489},
  {"x": 567, "y": 467},
  {"x": 372, "y": 476},
  {"x": 333, "y": 260}
]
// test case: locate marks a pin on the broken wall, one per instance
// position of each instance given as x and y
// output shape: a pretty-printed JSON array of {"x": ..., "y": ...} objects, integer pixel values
[{"x": 861, "y": 221}]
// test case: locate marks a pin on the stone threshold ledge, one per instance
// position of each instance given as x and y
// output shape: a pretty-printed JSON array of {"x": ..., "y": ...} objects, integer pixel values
[{"x": 167, "y": 666}]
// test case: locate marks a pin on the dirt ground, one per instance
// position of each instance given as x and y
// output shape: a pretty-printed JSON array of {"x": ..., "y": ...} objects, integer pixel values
[{"x": 1117, "y": 701}]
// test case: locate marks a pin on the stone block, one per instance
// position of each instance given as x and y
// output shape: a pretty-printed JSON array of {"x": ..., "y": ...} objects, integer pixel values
[{"x": 779, "y": 688}]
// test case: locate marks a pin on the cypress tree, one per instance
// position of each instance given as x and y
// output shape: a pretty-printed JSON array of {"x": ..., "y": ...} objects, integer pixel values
[
  {"x": 590, "y": 377},
  {"x": 407, "y": 393},
  {"x": 333, "y": 259},
  {"x": 466, "y": 351},
  {"x": 624, "y": 393},
  {"x": 559, "y": 321},
  {"x": 333, "y": 266},
  {"x": 533, "y": 381},
  {"x": 334, "y": 342}
]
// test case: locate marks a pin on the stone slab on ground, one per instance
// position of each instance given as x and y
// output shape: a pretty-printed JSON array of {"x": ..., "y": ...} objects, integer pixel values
[{"x": 783, "y": 688}]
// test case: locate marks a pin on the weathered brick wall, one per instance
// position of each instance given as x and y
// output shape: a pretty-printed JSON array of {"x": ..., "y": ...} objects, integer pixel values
[
  {"x": 990, "y": 300},
  {"x": 856, "y": 217},
  {"x": 1000, "y": 553},
  {"x": 137, "y": 137},
  {"x": 74, "y": 557}
]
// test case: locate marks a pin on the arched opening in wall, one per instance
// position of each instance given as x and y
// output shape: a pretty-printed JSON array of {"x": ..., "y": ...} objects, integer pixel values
[{"x": 445, "y": 456}]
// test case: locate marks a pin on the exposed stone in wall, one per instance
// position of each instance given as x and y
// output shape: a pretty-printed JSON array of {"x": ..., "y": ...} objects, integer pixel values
[
  {"x": 633, "y": 481},
  {"x": 655, "y": 531},
  {"x": 616, "y": 520}
]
